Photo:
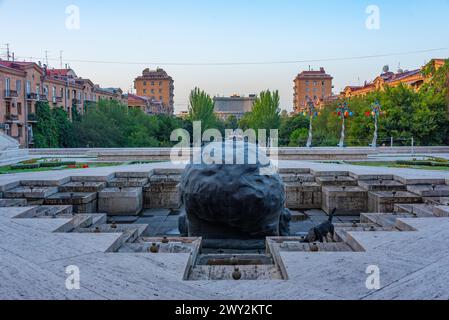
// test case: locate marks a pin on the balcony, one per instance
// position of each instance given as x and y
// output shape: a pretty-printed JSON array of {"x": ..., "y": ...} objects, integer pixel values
[
  {"x": 76, "y": 101},
  {"x": 32, "y": 96},
  {"x": 57, "y": 100},
  {"x": 32, "y": 117},
  {"x": 11, "y": 117},
  {"x": 11, "y": 94},
  {"x": 43, "y": 97}
]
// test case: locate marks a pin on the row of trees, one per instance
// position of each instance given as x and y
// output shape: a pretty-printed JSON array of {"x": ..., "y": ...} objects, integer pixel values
[{"x": 421, "y": 115}]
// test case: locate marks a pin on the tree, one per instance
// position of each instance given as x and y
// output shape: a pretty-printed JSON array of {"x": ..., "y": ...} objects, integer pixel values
[
  {"x": 289, "y": 125},
  {"x": 46, "y": 131},
  {"x": 266, "y": 112},
  {"x": 63, "y": 128},
  {"x": 201, "y": 108}
]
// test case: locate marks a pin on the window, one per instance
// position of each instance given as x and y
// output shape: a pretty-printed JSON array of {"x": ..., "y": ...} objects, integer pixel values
[
  {"x": 160, "y": 83},
  {"x": 19, "y": 108},
  {"x": 144, "y": 83},
  {"x": 62, "y": 92},
  {"x": 152, "y": 90},
  {"x": 144, "y": 91},
  {"x": 28, "y": 88},
  {"x": 18, "y": 85},
  {"x": 7, "y": 85},
  {"x": 322, "y": 83},
  {"x": 46, "y": 90},
  {"x": 152, "y": 83},
  {"x": 53, "y": 94},
  {"x": 160, "y": 90},
  {"x": 307, "y": 82},
  {"x": 315, "y": 83}
]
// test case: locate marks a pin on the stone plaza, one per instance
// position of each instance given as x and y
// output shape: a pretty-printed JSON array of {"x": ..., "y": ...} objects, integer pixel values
[{"x": 119, "y": 226}]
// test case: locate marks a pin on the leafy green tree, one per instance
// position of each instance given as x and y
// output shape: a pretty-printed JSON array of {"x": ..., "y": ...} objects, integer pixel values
[
  {"x": 266, "y": 112},
  {"x": 63, "y": 128},
  {"x": 201, "y": 108},
  {"x": 46, "y": 131},
  {"x": 290, "y": 125}
]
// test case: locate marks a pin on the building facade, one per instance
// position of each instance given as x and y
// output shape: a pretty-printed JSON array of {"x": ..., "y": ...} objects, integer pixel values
[
  {"x": 147, "y": 105},
  {"x": 313, "y": 86},
  {"x": 158, "y": 86},
  {"x": 414, "y": 79},
  {"x": 24, "y": 84},
  {"x": 235, "y": 105}
]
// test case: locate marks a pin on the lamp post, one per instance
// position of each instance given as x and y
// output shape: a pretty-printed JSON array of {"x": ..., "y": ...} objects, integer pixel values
[
  {"x": 376, "y": 110},
  {"x": 343, "y": 112},
  {"x": 310, "y": 112}
]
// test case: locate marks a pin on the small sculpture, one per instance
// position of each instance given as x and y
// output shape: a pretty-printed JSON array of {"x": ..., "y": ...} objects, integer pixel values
[
  {"x": 165, "y": 240},
  {"x": 236, "y": 275},
  {"x": 154, "y": 248},
  {"x": 314, "y": 247}
]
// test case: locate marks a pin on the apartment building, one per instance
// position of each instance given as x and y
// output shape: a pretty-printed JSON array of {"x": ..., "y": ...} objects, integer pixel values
[
  {"x": 313, "y": 86},
  {"x": 235, "y": 105},
  {"x": 412, "y": 78},
  {"x": 147, "y": 105},
  {"x": 158, "y": 86},
  {"x": 23, "y": 84}
]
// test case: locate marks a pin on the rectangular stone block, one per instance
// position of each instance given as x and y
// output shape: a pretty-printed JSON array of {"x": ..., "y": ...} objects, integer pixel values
[
  {"x": 6, "y": 203},
  {"x": 45, "y": 183},
  {"x": 329, "y": 173},
  {"x": 416, "y": 181},
  {"x": 120, "y": 201},
  {"x": 336, "y": 181},
  {"x": 430, "y": 190},
  {"x": 347, "y": 200},
  {"x": 290, "y": 177},
  {"x": 294, "y": 171},
  {"x": 384, "y": 201},
  {"x": 82, "y": 187},
  {"x": 127, "y": 182},
  {"x": 132, "y": 174},
  {"x": 306, "y": 195},
  {"x": 364, "y": 177},
  {"x": 30, "y": 192},
  {"x": 162, "y": 195},
  {"x": 105, "y": 178},
  {"x": 167, "y": 171},
  {"x": 82, "y": 202},
  {"x": 382, "y": 185},
  {"x": 9, "y": 185}
]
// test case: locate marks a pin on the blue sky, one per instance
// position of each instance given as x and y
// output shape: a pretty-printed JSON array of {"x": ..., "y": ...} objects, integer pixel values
[{"x": 183, "y": 31}]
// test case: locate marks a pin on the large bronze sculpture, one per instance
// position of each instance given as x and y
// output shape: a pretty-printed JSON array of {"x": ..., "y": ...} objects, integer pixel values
[{"x": 234, "y": 201}]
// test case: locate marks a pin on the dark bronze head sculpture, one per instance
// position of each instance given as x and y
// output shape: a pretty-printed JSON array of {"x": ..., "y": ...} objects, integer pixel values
[{"x": 234, "y": 201}]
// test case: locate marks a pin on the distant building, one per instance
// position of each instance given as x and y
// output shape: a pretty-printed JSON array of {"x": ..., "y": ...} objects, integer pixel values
[
  {"x": 235, "y": 105},
  {"x": 313, "y": 86},
  {"x": 414, "y": 79},
  {"x": 23, "y": 84},
  {"x": 158, "y": 86},
  {"x": 147, "y": 105}
]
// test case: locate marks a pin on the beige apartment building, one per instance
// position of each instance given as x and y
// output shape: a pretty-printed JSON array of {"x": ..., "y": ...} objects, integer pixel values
[
  {"x": 158, "y": 86},
  {"x": 23, "y": 84},
  {"x": 313, "y": 86}
]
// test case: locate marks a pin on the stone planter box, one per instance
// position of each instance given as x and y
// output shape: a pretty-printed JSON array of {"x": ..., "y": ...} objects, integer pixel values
[
  {"x": 306, "y": 195},
  {"x": 162, "y": 192},
  {"x": 127, "y": 182},
  {"x": 384, "y": 201},
  {"x": 120, "y": 201},
  {"x": 82, "y": 187},
  {"x": 82, "y": 202},
  {"x": 382, "y": 185},
  {"x": 347, "y": 200},
  {"x": 30, "y": 192}
]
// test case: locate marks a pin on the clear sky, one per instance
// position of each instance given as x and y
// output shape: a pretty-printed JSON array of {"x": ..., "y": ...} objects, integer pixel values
[{"x": 157, "y": 32}]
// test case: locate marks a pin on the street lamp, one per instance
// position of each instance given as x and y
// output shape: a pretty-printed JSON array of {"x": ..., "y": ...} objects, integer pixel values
[
  {"x": 343, "y": 112},
  {"x": 310, "y": 112},
  {"x": 376, "y": 111}
]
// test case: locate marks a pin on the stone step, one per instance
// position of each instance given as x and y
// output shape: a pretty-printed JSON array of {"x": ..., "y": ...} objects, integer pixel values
[
  {"x": 78, "y": 221},
  {"x": 441, "y": 211},
  {"x": 297, "y": 178},
  {"x": 384, "y": 201},
  {"x": 382, "y": 185},
  {"x": 389, "y": 221},
  {"x": 421, "y": 209},
  {"x": 82, "y": 187},
  {"x": 336, "y": 181},
  {"x": 430, "y": 190},
  {"x": 8, "y": 203}
]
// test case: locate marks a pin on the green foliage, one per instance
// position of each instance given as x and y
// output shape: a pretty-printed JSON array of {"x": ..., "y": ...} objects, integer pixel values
[
  {"x": 291, "y": 131},
  {"x": 266, "y": 112},
  {"x": 46, "y": 133},
  {"x": 201, "y": 108}
]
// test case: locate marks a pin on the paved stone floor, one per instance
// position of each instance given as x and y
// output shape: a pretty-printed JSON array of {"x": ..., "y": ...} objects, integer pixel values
[{"x": 34, "y": 254}]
